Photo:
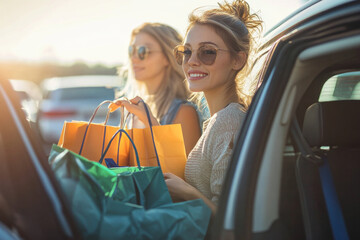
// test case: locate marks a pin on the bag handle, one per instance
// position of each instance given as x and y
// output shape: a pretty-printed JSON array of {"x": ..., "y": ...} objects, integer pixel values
[
  {"x": 122, "y": 120},
  {"x": 108, "y": 113},
  {"x": 112, "y": 138},
  {"x": 151, "y": 130}
]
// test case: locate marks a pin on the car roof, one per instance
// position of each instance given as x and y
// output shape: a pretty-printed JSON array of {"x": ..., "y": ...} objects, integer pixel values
[
  {"x": 81, "y": 81},
  {"x": 308, "y": 10}
]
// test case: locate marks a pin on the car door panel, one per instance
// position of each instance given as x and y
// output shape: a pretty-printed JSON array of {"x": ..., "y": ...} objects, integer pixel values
[{"x": 37, "y": 209}]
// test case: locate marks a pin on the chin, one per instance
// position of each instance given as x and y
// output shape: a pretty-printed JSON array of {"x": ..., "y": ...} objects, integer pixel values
[
  {"x": 138, "y": 77},
  {"x": 197, "y": 85},
  {"x": 195, "y": 88}
]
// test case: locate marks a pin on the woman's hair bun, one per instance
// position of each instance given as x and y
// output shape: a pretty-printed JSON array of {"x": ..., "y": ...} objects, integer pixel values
[{"x": 241, "y": 10}]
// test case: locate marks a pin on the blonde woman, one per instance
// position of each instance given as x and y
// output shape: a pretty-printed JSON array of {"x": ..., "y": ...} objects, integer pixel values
[
  {"x": 214, "y": 56},
  {"x": 155, "y": 76}
]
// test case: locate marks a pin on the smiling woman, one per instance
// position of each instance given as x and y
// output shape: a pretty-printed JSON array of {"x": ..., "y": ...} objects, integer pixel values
[
  {"x": 214, "y": 56},
  {"x": 155, "y": 76}
]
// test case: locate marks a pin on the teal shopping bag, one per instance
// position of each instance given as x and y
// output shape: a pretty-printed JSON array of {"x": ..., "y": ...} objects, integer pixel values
[{"x": 123, "y": 203}]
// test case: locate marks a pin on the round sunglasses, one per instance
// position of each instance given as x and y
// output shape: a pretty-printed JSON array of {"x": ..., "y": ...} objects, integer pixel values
[
  {"x": 141, "y": 51},
  {"x": 206, "y": 54}
]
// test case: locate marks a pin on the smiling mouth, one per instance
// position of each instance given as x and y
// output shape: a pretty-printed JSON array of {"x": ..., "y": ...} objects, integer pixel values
[
  {"x": 136, "y": 69},
  {"x": 197, "y": 75}
]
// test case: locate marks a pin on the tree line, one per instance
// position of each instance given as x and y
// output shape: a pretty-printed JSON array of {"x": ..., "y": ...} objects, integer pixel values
[{"x": 37, "y": 72}]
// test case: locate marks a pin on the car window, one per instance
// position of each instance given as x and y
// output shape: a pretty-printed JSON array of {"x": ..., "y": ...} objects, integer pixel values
[
  {"x": 100, "y": 93},
  {"x": 345, "y": 86}
]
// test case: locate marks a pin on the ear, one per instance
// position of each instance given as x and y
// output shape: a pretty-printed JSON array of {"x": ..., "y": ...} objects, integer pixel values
[{"x": 239, "y": 61}]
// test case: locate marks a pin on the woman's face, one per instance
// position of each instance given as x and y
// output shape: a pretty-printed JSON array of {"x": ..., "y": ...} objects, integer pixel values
[
  {"x": 155, "y": 62},
  {"x": 203, "y": 77}
]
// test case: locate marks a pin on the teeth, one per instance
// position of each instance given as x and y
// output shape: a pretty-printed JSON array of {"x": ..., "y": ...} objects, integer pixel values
[{"x": 197, "y": 75}]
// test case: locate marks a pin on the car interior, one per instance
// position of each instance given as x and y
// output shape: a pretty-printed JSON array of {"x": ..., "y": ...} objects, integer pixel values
[
  {"x": 290, "y": 199},
  {"x": 331, "y": 130},
  {"x": 320, "y": 127}
]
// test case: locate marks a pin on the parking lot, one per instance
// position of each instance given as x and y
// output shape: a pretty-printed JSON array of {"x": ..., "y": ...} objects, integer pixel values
[{"x": 305, "y": 115}]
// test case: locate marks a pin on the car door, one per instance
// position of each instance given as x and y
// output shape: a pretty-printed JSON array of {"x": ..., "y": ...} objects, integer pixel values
[
  {"x": 259, "y": 198},
  {"x": 31, "y": 206}
]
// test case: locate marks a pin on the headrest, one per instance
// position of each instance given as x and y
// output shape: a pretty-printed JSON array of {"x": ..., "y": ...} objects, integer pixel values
[{"x": 333, "y": 124}]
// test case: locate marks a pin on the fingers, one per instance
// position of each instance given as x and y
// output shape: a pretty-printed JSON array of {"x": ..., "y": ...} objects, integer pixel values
[
  {"x": 120, "y": 102},
  {"x": 132, "y": 108},
  {"x": 136, "y": 100},
  {"x": 136, "y": 106},
  {"x": 167, "y": 175},
  {"x": 113, "y": 106}
]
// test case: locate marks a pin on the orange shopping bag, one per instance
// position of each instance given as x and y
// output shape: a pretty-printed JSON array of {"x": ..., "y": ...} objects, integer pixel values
[
  {"x": 159, "y": 146},
  {"x": 169, "y": 151},
  {"x": 89, "y": 140}
]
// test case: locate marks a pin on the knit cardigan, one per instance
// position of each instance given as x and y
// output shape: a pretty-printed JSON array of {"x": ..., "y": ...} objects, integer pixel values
[{"x": 208, "y": 161}]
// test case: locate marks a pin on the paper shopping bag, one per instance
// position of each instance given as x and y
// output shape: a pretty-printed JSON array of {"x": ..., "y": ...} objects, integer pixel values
[
  {"x": 169, "y": 144},
  {"x": 89, "y": 140},
  {"x": 158, "y": 146}
]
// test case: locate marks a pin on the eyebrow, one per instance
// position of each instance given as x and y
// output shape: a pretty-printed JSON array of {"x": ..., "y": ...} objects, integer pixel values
[
  {"x": 144, "y": 44},
  {"x": 147, "y": 45},
  {"x": 203, "y": 43}
]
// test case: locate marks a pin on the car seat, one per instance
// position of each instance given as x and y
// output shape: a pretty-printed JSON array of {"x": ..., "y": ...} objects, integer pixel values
[{"x": 331, "y": 129}]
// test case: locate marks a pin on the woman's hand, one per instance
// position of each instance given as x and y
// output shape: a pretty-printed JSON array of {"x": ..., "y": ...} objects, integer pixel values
[
  {"x": 179, "y": 189},
  {"x": 182, "y": 191},
  {"x": 135, "y": 106}
]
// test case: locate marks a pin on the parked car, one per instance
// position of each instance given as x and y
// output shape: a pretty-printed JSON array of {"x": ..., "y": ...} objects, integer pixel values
[
  {"x": 273, "y": 188},
  {"x": 306, "y": 109},
  {"x": 30, "y": 95},
  {"x": 74, "y": 98}
]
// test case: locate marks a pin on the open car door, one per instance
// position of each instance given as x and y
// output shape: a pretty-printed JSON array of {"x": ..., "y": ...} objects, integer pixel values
[{"x": 31, "y": 204}]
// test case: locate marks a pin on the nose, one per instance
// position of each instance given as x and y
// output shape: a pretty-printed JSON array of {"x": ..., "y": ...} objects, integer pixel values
[
  {"x": 193, "y": 60},
  {"x": 134, "y": 57}
]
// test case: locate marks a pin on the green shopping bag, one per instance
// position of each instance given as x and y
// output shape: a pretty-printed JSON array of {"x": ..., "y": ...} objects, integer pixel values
[{"x": 122, "y": 203}]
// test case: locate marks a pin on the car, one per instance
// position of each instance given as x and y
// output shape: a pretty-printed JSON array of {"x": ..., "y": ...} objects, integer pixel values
[
  {"x": 305, "y": 110},
  {"x": 308, "y": 85},
  {"x": 30, "y": 96},
  {"x": 75, "y": 98},
  {"x": 31, "y": 205}
]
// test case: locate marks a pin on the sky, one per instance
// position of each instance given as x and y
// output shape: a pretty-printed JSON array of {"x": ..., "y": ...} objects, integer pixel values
[{"x": 98, "y": 31}]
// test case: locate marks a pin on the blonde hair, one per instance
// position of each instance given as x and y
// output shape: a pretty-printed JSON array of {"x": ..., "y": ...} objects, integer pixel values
[
  {"x": 237, "y": 27},
  {"x": 173, "y": 85}
]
